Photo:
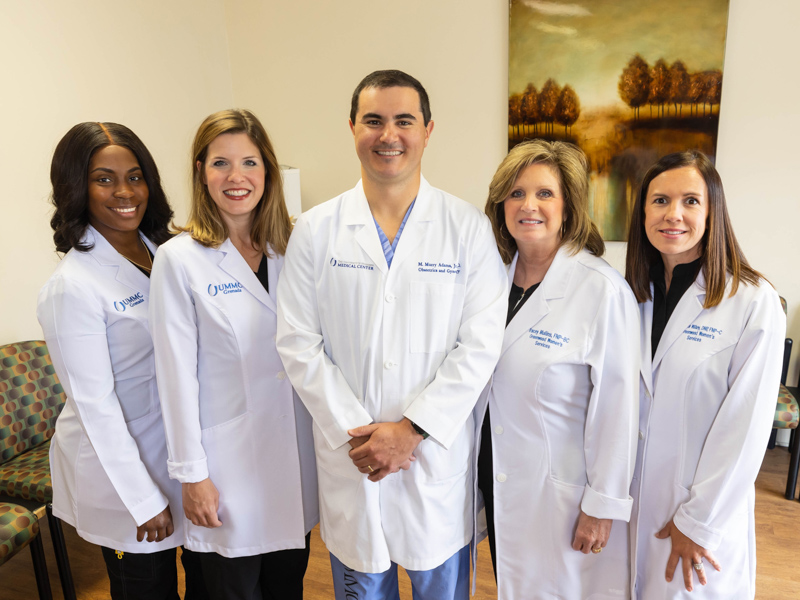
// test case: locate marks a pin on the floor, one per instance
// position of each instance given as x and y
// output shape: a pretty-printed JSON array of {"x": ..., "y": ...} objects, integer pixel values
[{"x": 777, "y": 522}]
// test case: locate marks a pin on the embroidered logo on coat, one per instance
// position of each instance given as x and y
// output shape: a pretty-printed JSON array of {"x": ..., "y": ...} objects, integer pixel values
[
  {"x": 226, "y": 288},
  {"x": 130, "y": 301}
]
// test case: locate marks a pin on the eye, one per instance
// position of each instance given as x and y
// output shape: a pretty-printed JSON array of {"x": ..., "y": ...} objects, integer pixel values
[
  {"x": 545, "y": 194},
  {"x": 404, "y": 123},
  {"x": 103, "y": 180},
  {"x": 692, "y": 200},
  {"x": 218, "y": 163},
  {"x": 517, "y": 194},
  {"x": 372, "y": 122},
  {"x": 136, "y": 178},
  {"x": 659, "y": 200},
  {"x": 250, "y": 163}
]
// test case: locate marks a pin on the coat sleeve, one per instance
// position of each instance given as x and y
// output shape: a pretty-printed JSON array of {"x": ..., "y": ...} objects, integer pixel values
[
  {"x": 444, "y": 405},
  {"x": 735, "y": 445},
  {"x": 610, "y": 433},
  {"x": 74, "y": 328},
  {"x": 319, "y": 382},
  {"x": 173, "y": 325}
]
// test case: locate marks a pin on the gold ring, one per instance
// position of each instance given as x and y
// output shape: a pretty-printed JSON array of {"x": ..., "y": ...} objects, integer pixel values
[
  {"x": 698, "y": 566},
  {"x": 371, "y": 470},
  {"x": 597, "y": 550}
]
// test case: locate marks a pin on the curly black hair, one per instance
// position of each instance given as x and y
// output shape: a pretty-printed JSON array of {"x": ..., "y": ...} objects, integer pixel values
[{"x": 69, "y": 174}]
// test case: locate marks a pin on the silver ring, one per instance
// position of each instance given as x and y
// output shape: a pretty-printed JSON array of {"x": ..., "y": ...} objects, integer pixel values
[{"x": 698, "y": 566}]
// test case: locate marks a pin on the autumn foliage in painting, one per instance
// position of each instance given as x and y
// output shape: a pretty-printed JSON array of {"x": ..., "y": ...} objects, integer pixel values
[
  {"x": 537, "y": 112},
  {"x": 663, "y": 85}
]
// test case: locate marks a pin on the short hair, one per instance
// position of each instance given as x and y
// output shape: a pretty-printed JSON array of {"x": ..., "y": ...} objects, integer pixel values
[
  {"x": 69, "y": 175},
  {"x": 387, "y": 79},
  {"x": 271, "y": 223},
  {"x": 720, "y": 251},
  {"x": 569, "y": 164}
]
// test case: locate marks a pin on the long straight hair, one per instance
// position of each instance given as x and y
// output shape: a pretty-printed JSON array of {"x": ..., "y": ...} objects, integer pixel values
[
  {"x": 271, "y": 224},
  {"x": 720, "y": 252}
]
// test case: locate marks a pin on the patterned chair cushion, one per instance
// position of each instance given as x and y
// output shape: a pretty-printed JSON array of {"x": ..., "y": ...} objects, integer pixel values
[
  {"x": 787, "y": 413},
  {"x": 18, "y": 527},
  {"x": 31, "y": 397},
  {"x": 28, "y": 475}
]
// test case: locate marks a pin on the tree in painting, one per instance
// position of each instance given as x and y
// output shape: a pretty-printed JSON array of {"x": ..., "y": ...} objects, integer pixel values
[{"x": 634, "y": 84}]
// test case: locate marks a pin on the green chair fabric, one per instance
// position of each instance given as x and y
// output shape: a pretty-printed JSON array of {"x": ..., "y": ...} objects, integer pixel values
[
  {"x": 787, "y": 413},
  {"x": 28, "y": 475},
  {"x": 31, "y": 398},
  {"x": 18, "y": 528}
]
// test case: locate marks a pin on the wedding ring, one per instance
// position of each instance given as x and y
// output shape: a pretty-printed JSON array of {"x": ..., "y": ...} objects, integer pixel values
[
  {"x": 597, "y": 550},
  {"x": 698, "y": 566},
  {"x": 371, "y": 470}
]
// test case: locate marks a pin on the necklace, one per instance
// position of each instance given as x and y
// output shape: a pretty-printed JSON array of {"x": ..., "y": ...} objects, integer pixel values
[{"x": 147, "y": 252}]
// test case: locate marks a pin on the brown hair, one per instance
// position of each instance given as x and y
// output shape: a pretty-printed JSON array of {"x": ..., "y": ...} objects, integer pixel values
[
  {"x": 271, "y": 223},
  {"x": 570, "y": 165},
  {"x": 720, "y": 251}
]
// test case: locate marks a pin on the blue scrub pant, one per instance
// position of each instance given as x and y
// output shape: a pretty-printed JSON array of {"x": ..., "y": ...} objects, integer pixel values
[{"x": 448, "y": 581}]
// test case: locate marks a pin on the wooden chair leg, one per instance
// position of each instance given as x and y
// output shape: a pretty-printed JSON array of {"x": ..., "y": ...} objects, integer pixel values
[
  {"x": 794, "y": 465},
  {"x": 40, "y": 569},
  {"x": 62, "y": 559}
]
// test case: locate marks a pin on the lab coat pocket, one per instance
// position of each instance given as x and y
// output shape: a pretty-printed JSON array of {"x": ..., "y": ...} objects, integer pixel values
[
  {"x": 228, "y": 448},
  {"x": 434, "y": 313}
]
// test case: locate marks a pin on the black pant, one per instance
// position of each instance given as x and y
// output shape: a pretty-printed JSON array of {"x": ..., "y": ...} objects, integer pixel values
[
  {"x": 486, "y": 483},
  {"x": 271, "y": 576},
  {"x": 153, "y": 576}
]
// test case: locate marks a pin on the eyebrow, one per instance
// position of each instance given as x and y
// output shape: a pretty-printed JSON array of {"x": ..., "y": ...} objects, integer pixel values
[
  {"x": 404, "y": 116},
  {"x": 226, "y": 158},
  {"x": 106, "y": 170}
]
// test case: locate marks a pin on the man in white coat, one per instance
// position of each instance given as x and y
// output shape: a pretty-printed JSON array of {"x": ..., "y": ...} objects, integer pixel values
[{"x": 391, "y": 308}]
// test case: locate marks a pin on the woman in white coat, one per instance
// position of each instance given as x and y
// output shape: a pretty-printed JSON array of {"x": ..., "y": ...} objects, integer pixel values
[
  {"x": 712, "y": 342},
  {"x": 239, "y": 440},
  {"x": 108, "y": 455},
  {"x": 558, "y": 418}
]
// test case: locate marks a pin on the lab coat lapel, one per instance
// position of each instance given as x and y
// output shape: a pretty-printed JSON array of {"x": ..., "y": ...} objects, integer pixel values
[
  {"x": 105, "y": 254},
  {"x": 689, "y": 307},
  {"x": 646, "y": 311},
  {"x": 425, "y": 210},
  {"x": 234, "y": 264},
  {"x": 356, "y": 213},
  {"x": 553, "y": 286}
]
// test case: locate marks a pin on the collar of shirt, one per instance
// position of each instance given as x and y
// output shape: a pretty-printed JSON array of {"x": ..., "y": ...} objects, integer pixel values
[{"x": 390, "y": 247}]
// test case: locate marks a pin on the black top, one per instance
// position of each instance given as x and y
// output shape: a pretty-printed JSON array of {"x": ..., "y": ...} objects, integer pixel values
[
  {"x": 664, "y": 302},
  {"x": 262, "y": 272},
  {"x": 516, "y": 298},
  {"x": 145, "y": 271}
]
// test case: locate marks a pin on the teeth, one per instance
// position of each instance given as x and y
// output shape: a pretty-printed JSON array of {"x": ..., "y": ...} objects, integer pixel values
[
  {"x": 389, "y": 152},
  {"x": 124, "y": 210},
  {"x": 236, "y": 192},
  {"x": 531, "y": 221},
  {"x": 672, "y": 231}
]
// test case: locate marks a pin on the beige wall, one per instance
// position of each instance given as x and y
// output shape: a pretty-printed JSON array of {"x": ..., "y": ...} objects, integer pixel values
[
  {"x": 165, "y": 66},
  {"x": 157, "y": 66}
]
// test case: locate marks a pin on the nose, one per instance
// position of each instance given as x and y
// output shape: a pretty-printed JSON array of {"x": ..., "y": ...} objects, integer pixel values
[
  {"x": 389, "y": 133},
  {"x": 236, "y": 175},
  {"x": 674, "y": 212},
  {"x": 124, "y": 190},
  {"x": 530, "y": 204}
]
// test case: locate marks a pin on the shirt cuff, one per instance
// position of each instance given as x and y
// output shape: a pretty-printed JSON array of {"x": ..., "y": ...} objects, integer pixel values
[
  {"x": 149, "y": 508},
  {"x": 600, "y": 506},
  {"x": 188, "y": 472},
  {"x": 701, "y": 534}
]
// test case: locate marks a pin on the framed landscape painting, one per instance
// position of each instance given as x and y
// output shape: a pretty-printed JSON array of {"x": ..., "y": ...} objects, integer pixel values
[{"x": 627, "y": 81}]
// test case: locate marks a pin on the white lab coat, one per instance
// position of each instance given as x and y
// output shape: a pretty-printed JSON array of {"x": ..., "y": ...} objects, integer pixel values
[
  {"x": 563, "y": 405},
  {"x": 108, "y": 455},
  {"x": 229, "y": 411},
  {"x": 363, "y": 343},
  {"x": 707, "y": 404}
]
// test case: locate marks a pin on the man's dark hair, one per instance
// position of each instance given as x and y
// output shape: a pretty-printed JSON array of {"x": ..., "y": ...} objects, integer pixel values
[{"x": 387, "y": 79}]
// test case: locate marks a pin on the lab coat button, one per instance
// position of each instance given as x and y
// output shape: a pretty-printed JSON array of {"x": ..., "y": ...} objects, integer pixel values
[
  {"x": 501, "y": 477},
  {"x": 390, "y": 298},
  {"x": 389, "y": 364},
  {"x": 498, "y": 430},
  {"x": 641, "y": 435},
  {"x": 281, "y": 375}
]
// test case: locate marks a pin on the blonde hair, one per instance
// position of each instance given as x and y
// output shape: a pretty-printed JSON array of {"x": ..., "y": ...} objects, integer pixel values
[
  {"x": 271, "y": 223},
  {"x": 572, "y": 169}
]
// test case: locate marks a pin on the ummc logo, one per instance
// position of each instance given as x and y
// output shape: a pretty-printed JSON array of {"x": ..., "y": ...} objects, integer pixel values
[
  {"x": 342, "y": 264},
  {"x": 122, "y": 305},
  {"x": 225, "y": 288}
]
